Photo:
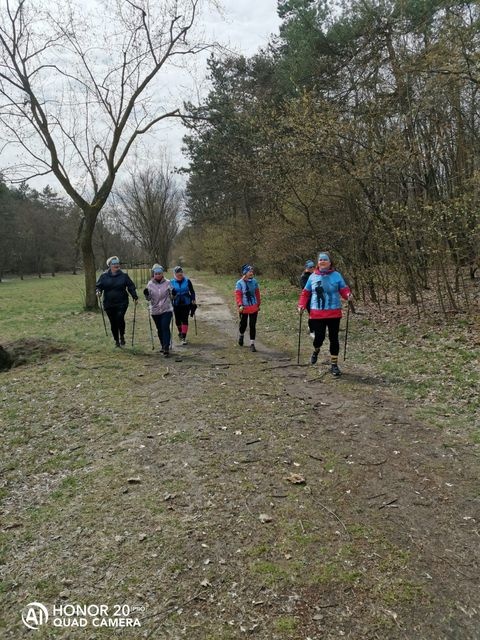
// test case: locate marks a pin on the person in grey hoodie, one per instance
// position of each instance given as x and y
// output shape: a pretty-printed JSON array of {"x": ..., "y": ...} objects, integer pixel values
[{"x": 158, "y": 292}]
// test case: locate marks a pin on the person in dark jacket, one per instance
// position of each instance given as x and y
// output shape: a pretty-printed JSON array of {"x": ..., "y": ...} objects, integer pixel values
[
  {"x": 307, "y": 272},
  {"x": 115, "y": 285},
  {"x": 183, "y": 301}
]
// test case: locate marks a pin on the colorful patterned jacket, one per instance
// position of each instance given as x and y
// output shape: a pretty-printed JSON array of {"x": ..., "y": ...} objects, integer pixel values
[
  {"x": 247, "y": 295},
  {"x": 324, "y": 291}
]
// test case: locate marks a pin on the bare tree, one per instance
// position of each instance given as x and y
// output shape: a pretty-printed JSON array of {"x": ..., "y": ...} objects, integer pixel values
[
  {"x": 77, "y": 89},
  {"x": 148, "y": 206}
]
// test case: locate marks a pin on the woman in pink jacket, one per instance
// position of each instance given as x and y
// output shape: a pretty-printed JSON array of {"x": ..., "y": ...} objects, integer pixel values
[{"x": 158, "y": 292}]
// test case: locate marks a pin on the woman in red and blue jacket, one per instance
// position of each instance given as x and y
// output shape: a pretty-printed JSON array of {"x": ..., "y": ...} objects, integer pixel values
[
  {"x": 247, "y": 296},
  {"x": 324, "y": 290}
]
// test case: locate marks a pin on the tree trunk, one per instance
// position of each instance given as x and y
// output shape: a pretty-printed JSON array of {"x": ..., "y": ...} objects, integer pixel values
[{"x": 86, "y": 244}]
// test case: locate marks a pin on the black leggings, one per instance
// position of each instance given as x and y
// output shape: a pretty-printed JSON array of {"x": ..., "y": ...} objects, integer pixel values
[
  {"x": 253, "y": 324},
  {"x": 320, "y": 328},
  {"x": 116, "y": 315},
  {"x": 181, "y": 312}
]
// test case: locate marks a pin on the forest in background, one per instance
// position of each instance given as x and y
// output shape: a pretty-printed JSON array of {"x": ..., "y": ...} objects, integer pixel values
[
  {"x": 357, "y": 131},
  {"x": 40, "y": 234}
]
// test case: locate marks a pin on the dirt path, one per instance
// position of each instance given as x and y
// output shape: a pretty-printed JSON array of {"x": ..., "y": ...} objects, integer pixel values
[
  {"x": 409, "y": 487},
  {"x": 215, "y": 541}
]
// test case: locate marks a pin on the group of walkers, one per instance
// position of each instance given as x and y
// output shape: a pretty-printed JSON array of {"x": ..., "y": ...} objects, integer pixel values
[
  {"x": 166, "y": 298},
  {"x": 323, "y": 288}
]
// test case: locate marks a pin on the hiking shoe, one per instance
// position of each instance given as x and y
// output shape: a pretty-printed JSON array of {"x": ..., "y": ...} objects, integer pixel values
[
  {"x": 122, "y": 341},
  {"x": 335, "y": 371},
  {"x": 252, "y": 348},
  {"x": 184, "y": 340},
  {"x": 166, "y": 353},
  {"x": 240, "y": 340},
  {"x": 314, "y": 357},
  {"x": 117, "y": 344}
]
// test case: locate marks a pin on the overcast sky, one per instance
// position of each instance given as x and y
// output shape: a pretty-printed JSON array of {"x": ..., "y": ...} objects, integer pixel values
[
  {"x": 247, "y": 24},
  {"x": 243, "y": 26}
]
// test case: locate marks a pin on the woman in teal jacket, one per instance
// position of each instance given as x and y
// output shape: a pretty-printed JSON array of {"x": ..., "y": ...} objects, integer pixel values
[
  {"x": 324, "y": 291},
  {"x": 183, "y": 301}
]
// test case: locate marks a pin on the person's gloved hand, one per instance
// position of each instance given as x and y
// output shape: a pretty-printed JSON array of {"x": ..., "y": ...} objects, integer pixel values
[
  {"x": 300, "y": 310},
  {"x": 193, "y": 308},
  {"x": 240, "y": 309},
  {"x": 146, "y": 293},
  {"x": 98, "y": 293}
]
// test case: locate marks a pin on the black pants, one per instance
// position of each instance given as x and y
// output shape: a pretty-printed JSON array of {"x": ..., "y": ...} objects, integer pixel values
[
  {"x": 116, "y": 315},
  {"x": 320, "y": 328},
  {"x": 244, "y": 318},
  {"x": 181, "y": 312}
]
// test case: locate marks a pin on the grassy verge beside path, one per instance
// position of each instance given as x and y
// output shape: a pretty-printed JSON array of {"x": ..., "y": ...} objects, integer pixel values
[{"x": 435, "y": 366}]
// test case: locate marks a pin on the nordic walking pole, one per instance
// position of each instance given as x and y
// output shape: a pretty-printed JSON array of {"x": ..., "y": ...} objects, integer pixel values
[
  {"x": 346, "y": 332},
  {"x": 171, "y": 333},
  {"x": 151, "y": 332},
  {"x": 193, "y": 310},
  {"x": 103, "y": 315},
  {"x": 299, "y": 336},
  {"x": 134, "y": 318}
]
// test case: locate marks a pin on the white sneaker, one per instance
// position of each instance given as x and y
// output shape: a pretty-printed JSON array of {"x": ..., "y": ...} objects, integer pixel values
[{"x": 184, "y": 341}]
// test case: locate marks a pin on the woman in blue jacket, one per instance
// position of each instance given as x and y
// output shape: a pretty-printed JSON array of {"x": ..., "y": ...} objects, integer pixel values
[
  {"x": 247, "y": 297},
  {"x": 324, "y": 290},
  {"x": 183, "y": 301},
  {"x": 115, "y": 285}
]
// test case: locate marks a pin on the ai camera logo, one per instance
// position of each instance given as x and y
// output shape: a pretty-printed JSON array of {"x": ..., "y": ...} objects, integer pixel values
[{"x": 34, "y": 615}]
